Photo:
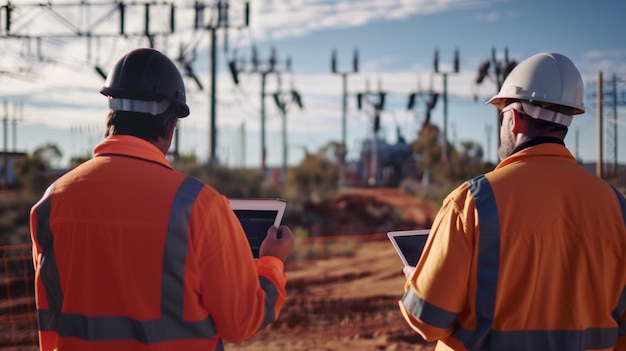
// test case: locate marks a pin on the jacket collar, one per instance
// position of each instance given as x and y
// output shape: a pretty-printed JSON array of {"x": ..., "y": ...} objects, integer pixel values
[
  {"x": 130, "y": 146},
  {"x": 538, "y": 148}
]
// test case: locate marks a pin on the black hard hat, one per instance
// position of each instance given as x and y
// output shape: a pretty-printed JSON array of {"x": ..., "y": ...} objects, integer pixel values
[{"x": 146, "y": 75}]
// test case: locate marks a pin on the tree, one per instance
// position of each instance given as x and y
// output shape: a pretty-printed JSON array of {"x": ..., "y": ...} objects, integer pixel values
[
  {"x": 317, "y": 176},
  {"x": 428, "y": 148},
  {"x": 33, "y": 170}
]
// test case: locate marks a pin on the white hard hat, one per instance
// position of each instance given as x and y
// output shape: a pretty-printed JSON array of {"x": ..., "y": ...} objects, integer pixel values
[{"x": 548, "y": 85}]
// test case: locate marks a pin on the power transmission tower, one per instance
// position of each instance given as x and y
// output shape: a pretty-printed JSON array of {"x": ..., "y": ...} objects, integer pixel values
[
  {"x": 445, "y": 153},
  {"x": 18, "y": 21},
  {"x": 263, "y": 68},
  {"x": 607, "y": 94},
  {"x": 96, "y": 20},
  {"x": 221, "y": 23},
  {"x": 344, "y": 108},
  {"x": 500, "y": 69},
  {"x": 17, "y": 117},
  {"x": 283, "y": 100}
]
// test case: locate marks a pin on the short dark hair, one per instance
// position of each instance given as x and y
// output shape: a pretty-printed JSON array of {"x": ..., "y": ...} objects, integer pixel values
[{"x": 141, "y": 125}]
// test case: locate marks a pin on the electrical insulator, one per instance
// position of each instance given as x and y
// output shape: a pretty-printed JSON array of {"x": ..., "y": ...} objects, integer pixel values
[
  {"x": 295, "y": 96},
  {"x": 355, "y": 61},
  {"x": 147, "y": 20},
  {"x": 232, "y": 65},
  {"x": 8, "y": 9},
  {"x": 509, "y": 67},
  {"x": 411, "y": 102},
  {"x": 172, "y": 17},
  {"x": 433, "y": 101},
  {"x": 483, "y": 71},
  {"x": 122, "y": 8},
  {"x": 277, "y": 101},
  {"x": 456, "y": 61},
  {"x": 359, "y": 100},
  {"x": 255, "y": 59},
  {"x": 100, "y": 71},
  {"x": 381, "y": 104},
  {"x": 436, "y": 61},
  {"x": 333, "y": 62},
  {"x": 247, "y": 14},
  {"x": 273, "y": 60}
]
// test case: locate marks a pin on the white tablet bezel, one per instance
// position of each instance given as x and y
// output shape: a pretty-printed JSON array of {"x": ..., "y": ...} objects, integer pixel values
[
  {"x": 261, "y": 204},
  {"x": 392, "y": 237}
]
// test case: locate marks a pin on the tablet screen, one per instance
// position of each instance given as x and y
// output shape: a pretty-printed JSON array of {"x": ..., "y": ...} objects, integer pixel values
[
  {"x": 256, "y": 217},
  {"x": 255, "y": 224},
  {"x": 409, "y": 244}
]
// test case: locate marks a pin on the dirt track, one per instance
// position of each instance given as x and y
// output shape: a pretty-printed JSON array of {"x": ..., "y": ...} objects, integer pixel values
[
  {"x": 349, "y": 300},
  {"x": 348, "y": 303}
]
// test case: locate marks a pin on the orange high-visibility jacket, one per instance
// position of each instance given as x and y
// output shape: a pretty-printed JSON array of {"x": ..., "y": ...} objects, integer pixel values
[
  {"x": 132, "y": 255},
  {"x": 530, "y": 256}
]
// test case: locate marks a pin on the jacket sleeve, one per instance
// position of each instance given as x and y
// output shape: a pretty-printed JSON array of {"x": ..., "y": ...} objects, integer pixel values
[
  {"x": 47, "y": 339},
  {"x": 241, "y": 295},
  {"x": 436, "y": 292}
]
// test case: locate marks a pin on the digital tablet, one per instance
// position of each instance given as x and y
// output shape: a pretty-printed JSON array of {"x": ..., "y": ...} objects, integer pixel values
[
  {"x": 409, "y": 244},
  {"x": 256, "y": 216}
]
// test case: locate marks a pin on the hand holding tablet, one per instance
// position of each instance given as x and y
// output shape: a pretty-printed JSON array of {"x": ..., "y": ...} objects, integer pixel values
[{"x": 257, "y": 216}]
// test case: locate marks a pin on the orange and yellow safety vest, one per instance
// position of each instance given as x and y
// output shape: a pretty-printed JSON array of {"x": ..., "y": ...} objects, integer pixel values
[
  {"x": 132, "y": 255},
  {"x": 530, "y": 256}
]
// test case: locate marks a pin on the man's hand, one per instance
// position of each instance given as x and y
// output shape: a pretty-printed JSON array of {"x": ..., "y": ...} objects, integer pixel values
[{"x": 279, "y": 243}]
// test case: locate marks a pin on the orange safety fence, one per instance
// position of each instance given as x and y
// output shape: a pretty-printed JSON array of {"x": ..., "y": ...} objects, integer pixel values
[{"x": 18, "y": 317}]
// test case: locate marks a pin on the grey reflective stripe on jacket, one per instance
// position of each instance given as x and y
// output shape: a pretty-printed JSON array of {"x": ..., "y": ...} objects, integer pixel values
[
  {"x": 170, "y": 324},
  {"x": 621, "y": 306}
]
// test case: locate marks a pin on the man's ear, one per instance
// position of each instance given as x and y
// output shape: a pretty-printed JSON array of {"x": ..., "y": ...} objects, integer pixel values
[
  {"x": 171, "y": 128},
  {"x": 518, "y": 121}
]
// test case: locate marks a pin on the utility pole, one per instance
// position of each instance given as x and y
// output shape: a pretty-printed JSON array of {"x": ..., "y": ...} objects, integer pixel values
[
  {"x": 271, "y": 67},
  {"x": 445, "y": 153},
  {"x": 282, "y": 104},
  {"x": 222, "y": 22},
  {"x": 378, "y": 105},
  {"x": 18, "y": 117},
  {"x": 16, "y": 17},
  {"x": 501, "y": 70},
  {"x": 5, "y": 161},
  {"x": 599, "y": 163},
  {"x": 344, "y": 109}
]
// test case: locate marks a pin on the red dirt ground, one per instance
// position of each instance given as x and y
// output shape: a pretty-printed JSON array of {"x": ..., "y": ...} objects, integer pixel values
[{"x": 348, "y": 301}]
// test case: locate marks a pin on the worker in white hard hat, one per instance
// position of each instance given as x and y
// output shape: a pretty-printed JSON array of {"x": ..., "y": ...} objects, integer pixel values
[{"x": 532, "y": 255}]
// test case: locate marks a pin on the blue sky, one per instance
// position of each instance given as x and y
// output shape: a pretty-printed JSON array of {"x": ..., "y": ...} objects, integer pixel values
[{"x": 396, "y": 41}]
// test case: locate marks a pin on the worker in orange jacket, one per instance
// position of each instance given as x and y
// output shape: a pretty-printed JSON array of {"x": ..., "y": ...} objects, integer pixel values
[
  {"x": 132, "y": 255},
  {"x": 532, "y": 255}
]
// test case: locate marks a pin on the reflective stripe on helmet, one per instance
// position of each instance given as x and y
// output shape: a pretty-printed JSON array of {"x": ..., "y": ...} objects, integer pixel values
[
  {"x": 538, "y": 112},
  {"x": 152, "y": 107}
]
